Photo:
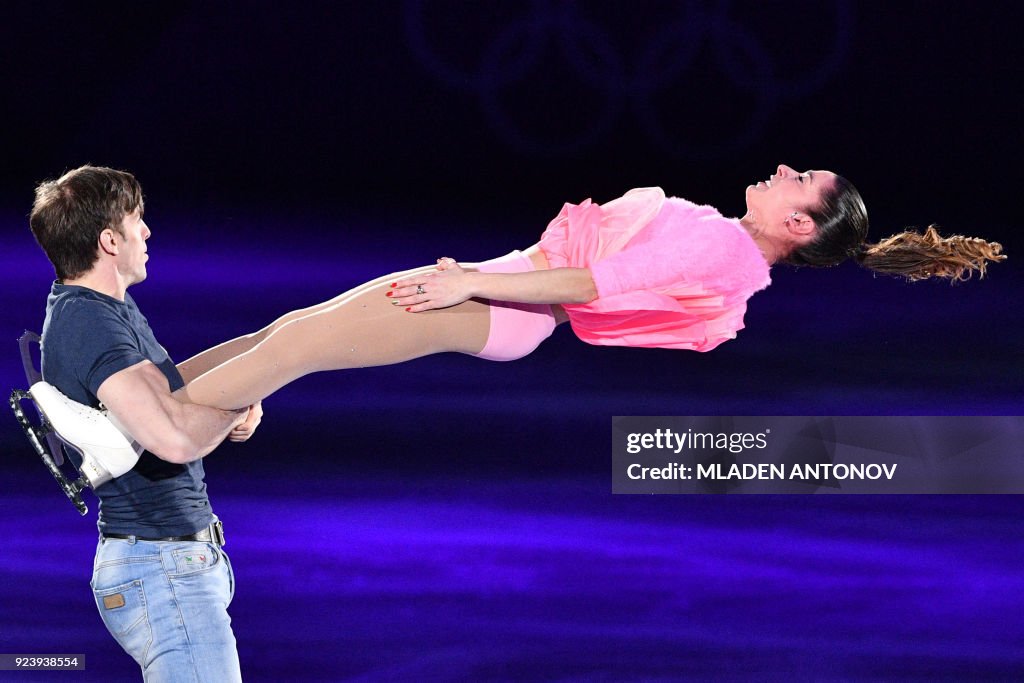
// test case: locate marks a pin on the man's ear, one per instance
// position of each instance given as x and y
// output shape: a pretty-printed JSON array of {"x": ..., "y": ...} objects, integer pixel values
[{"x": 110, "y": 242}]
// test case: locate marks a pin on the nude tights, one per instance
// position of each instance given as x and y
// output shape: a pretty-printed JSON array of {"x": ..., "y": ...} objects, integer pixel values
[{"x": 360, "y": 328}]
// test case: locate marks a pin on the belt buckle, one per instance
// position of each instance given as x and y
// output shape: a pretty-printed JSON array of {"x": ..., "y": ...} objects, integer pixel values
[{"x": 217, "y": 531}]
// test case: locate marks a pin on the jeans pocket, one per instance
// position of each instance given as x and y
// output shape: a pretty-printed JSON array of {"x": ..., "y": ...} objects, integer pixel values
[
  {"x": 196, "y": 558},
  {"x": 124, "y": 612}
]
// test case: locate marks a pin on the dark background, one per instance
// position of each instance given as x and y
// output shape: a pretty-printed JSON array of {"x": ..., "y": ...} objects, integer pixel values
[
  {"x": 290, "y": 152},
  {"x": 503, "y": 108}
]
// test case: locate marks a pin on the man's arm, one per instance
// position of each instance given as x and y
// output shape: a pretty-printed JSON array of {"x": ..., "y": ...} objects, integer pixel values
[{"x": 140, "y": 398}]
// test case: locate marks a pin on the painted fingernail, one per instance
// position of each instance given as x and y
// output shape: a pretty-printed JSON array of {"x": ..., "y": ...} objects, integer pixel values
[
  {"x": 408, "y": 309},
  {"x": 394, "y": 284},
  {"x": 395, "y": 303},
  {"x": 388, "y": 293}
]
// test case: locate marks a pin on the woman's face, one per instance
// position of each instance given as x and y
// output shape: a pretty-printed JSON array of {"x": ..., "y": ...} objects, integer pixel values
[{"x": 785, "y": 192}]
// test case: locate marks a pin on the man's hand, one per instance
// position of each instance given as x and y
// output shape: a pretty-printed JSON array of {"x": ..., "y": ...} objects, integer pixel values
[{"x": 247, "y": 428}]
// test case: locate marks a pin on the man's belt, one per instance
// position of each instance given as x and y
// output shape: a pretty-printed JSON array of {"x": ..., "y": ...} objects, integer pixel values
[{"x": 211, "y": 534}]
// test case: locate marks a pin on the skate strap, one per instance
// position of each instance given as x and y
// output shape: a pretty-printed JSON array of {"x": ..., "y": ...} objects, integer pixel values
[{"x": 25, "y": 342}]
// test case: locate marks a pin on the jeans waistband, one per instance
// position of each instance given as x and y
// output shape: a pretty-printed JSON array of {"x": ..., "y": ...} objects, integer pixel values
[{"x": 211, "y": 534}]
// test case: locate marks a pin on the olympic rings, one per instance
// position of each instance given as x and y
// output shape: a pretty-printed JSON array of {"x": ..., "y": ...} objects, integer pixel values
[{"x": 546, "y": 30}]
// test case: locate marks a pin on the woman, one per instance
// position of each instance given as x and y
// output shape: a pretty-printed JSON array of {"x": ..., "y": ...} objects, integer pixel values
[{"x": 642, "y": 270}]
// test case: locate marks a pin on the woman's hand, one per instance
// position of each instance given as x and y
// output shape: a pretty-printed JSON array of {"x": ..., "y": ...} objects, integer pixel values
[{"x": 448, "y": 287}]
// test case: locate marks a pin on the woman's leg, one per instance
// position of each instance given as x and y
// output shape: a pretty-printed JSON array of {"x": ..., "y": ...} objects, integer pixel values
[
  {"x": 222, "y": 353},
  {"x": 385, "y": 280},
  {"x": 358, "y": 329}
]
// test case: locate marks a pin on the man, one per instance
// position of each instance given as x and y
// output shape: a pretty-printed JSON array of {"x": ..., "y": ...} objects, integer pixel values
[{"x": 161, "y": 580}]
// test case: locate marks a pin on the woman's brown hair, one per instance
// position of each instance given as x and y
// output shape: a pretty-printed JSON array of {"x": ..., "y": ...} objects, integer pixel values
[
  {"x": 917, "y": 256},
  {"x": 842, "y": 222}
]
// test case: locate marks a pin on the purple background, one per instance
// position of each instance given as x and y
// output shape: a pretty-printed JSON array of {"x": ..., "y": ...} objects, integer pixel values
[{"x": 450, "y": 518}]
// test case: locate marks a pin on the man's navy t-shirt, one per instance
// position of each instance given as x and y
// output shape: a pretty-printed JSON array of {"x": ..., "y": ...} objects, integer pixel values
[{"x": 87, "y": 337}]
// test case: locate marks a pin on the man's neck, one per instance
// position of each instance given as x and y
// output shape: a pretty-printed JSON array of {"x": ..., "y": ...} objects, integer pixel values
[{"x": 103, "y": 282}]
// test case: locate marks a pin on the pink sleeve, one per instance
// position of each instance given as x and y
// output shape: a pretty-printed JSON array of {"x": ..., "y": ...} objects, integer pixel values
[
  {"x": 705, "y": 255},
  {"x": 643, "y": 267}
]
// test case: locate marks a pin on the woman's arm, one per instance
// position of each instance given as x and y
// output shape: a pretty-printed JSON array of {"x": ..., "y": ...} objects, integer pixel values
[
  {"x": 552, "y": 286},
  {"x": 453, "y": 285}
]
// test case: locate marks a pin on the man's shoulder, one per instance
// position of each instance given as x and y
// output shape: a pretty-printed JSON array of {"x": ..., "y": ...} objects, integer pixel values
[
  {"x": 87, "y": 337},
  {"x": 74, "y": 306},
  {"x": 75, "y": 320}
]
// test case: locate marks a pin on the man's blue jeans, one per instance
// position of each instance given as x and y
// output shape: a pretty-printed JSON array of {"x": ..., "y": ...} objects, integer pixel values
[{"x": 166, "y": 604}]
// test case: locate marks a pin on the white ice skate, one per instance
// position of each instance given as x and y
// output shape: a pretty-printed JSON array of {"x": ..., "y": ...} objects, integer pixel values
[{"x": 107, "y": 450}]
